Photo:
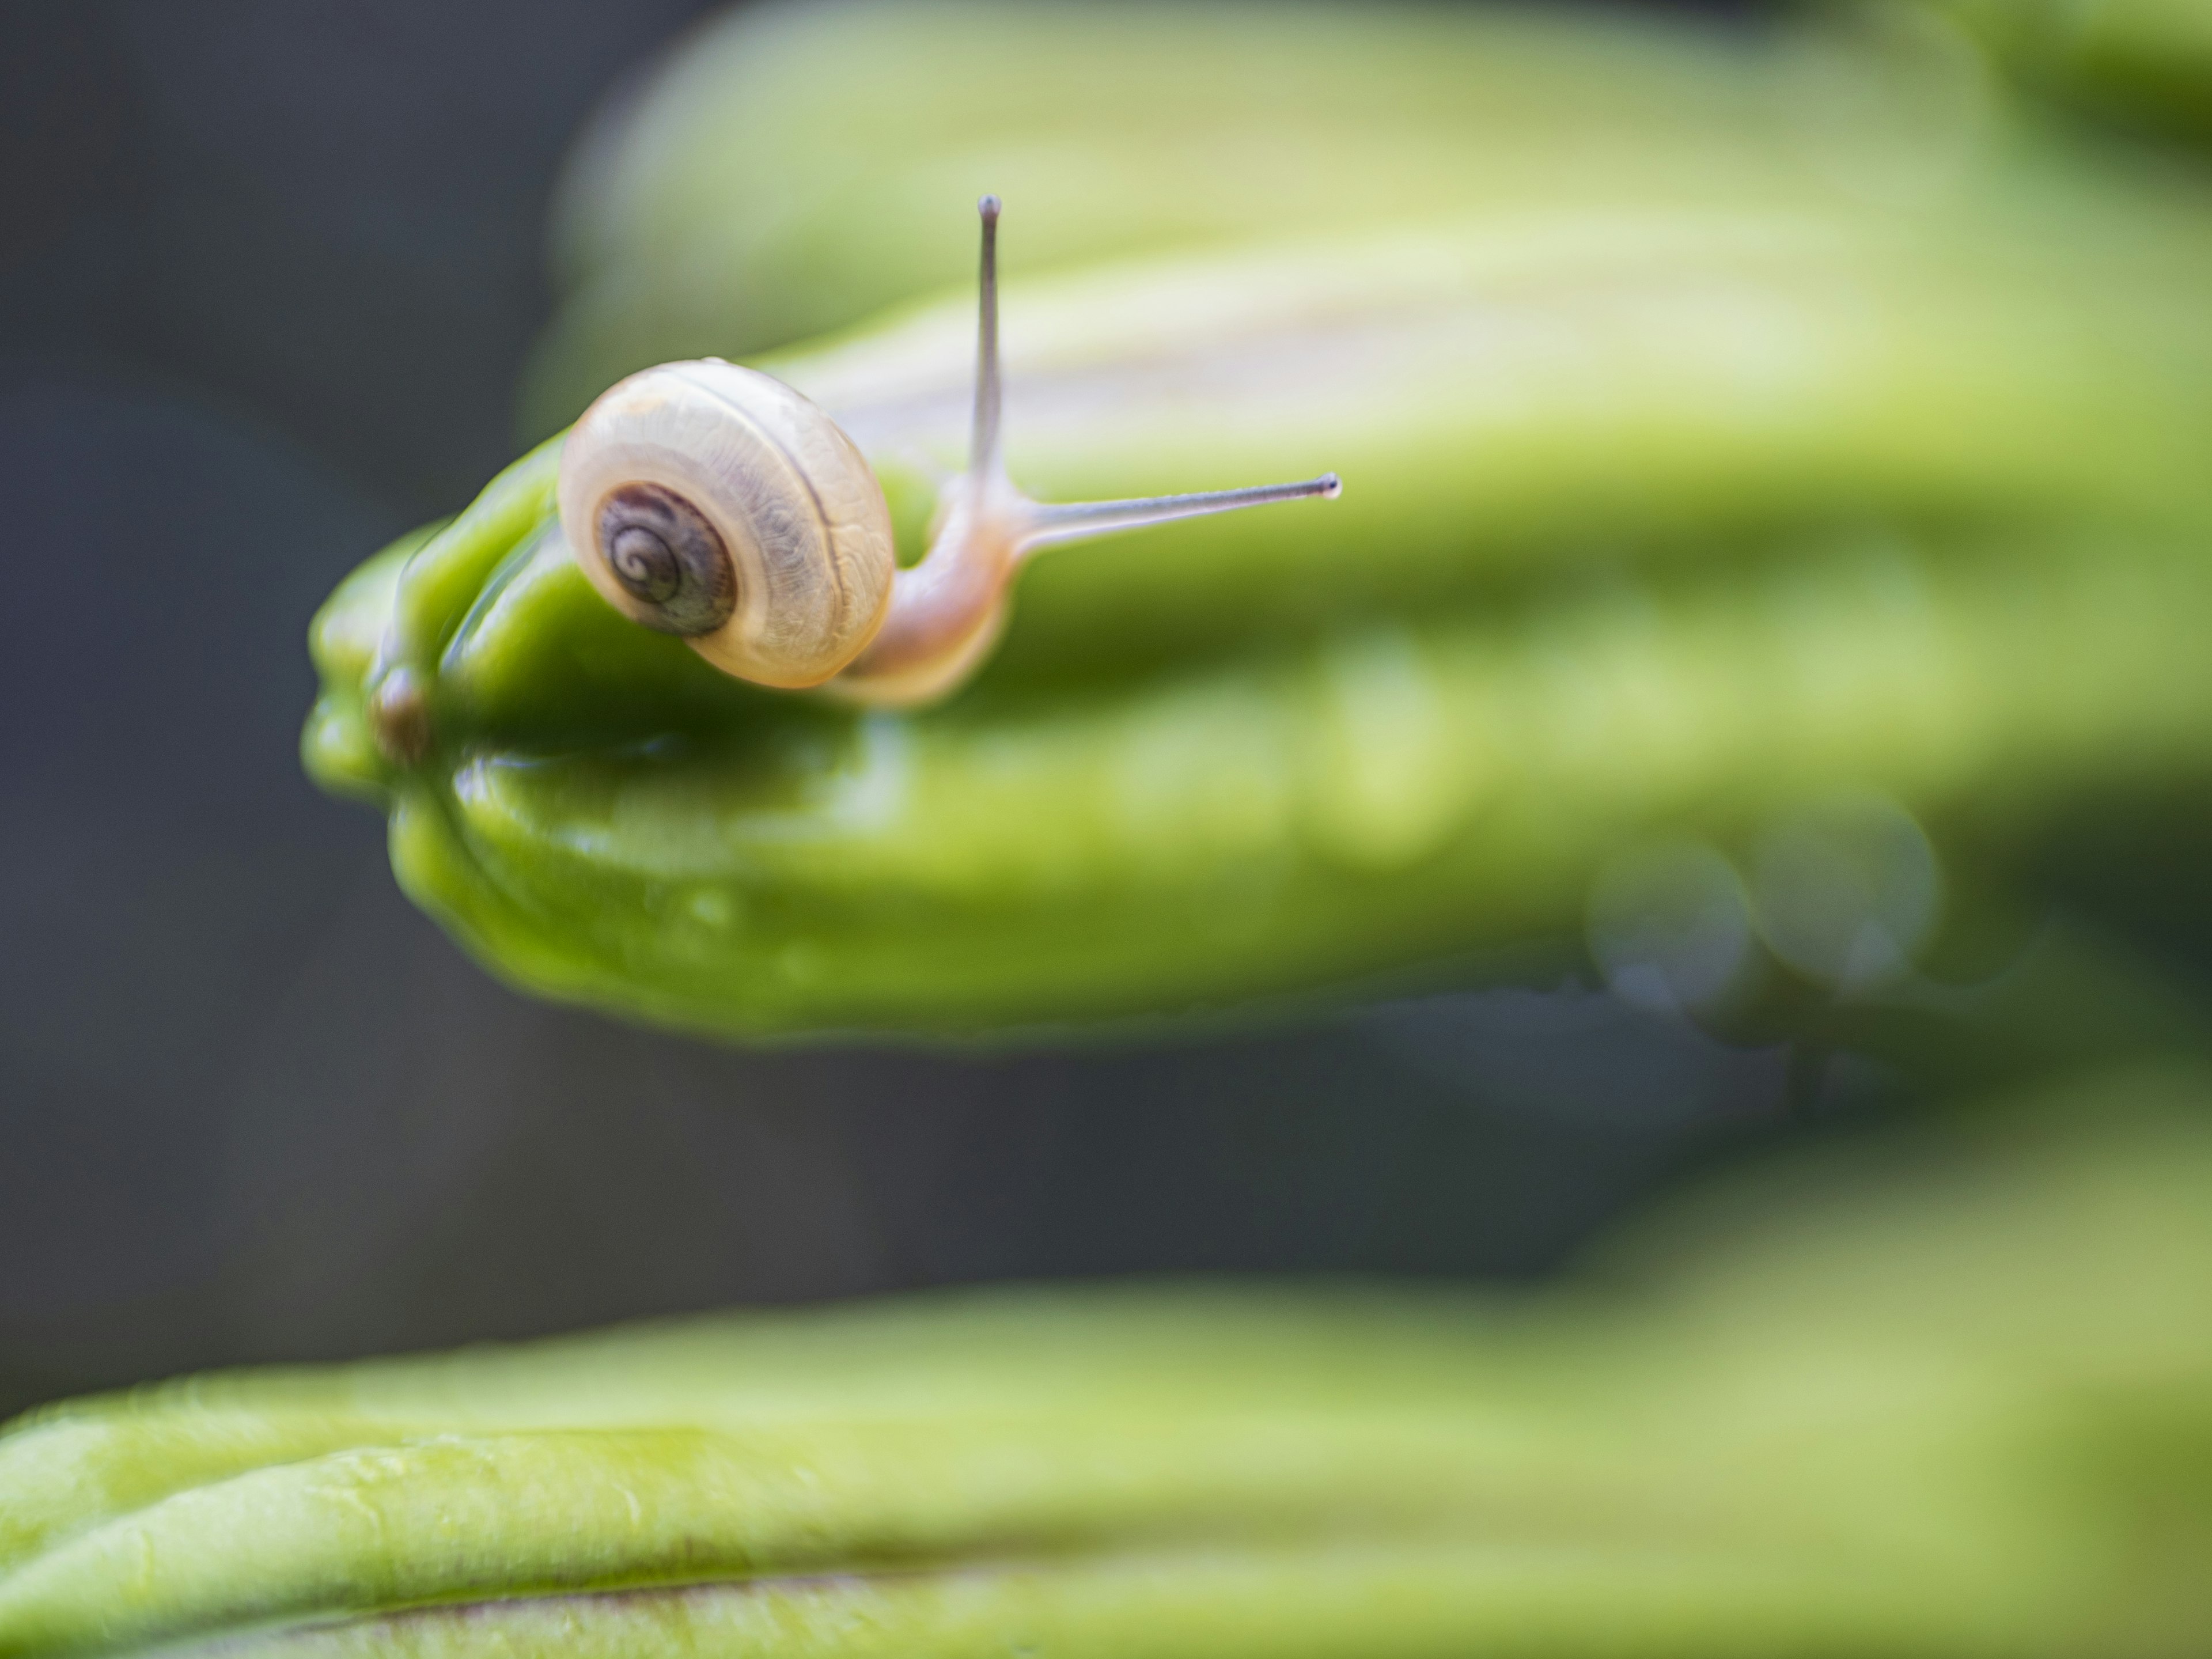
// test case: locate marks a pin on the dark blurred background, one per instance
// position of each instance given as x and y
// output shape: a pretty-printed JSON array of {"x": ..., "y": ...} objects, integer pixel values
[{"x": 268, "y": 271}]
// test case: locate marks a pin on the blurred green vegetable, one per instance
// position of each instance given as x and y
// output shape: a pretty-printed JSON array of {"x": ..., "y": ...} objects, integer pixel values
[
  {"x": 793, "y": 169},
  {"x": 2144, "y": 61},
  {"x": 1950, "y": 1396},
  {"x": 1712, "y": 459}
]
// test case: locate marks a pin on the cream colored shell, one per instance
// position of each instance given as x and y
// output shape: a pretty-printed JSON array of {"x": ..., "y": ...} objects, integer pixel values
[{"x": 795, "y": 503}]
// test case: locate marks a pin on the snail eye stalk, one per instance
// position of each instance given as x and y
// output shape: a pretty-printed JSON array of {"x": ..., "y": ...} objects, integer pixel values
[{"x": 1040, "y": 524}]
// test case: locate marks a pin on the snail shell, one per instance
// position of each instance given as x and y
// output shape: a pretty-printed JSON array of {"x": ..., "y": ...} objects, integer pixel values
[{"x": 715, "y": 502}]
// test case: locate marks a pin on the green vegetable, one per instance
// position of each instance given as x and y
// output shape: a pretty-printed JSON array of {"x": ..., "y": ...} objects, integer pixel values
[
  {"x": 1662, "y": 519},
  {"x": 793, "y": 170},
  {"x": 2143, "y": 61},
  {"x": 1952, "y": 1399}
]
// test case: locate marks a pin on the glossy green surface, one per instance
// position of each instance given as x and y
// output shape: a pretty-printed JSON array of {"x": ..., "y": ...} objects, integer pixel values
[
  {"x": 1581, "y": 591},
  {"x": 1951, "y": 1400},
  {"x": 1666, "y": 514}
]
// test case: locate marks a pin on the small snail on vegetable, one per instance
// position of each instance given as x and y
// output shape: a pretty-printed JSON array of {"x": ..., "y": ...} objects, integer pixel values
[{"x": 714, "y": 502}]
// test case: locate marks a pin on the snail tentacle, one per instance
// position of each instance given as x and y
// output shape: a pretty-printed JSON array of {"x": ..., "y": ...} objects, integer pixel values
[{"x": 947, "y": 611}]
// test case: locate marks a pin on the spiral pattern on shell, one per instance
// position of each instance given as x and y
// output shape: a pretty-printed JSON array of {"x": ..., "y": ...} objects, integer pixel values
[
  {"x": 712, "y": 502},
  {"x": 669, "y": 557}
]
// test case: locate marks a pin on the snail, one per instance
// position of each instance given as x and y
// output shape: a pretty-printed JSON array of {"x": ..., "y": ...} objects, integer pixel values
[{"x": 712, "y": 502}]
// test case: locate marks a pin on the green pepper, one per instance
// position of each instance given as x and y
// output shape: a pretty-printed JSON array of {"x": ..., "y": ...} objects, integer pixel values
[
  {"x": 1952, "y": 1399},
  {"x": 1656, "y": 523}
]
